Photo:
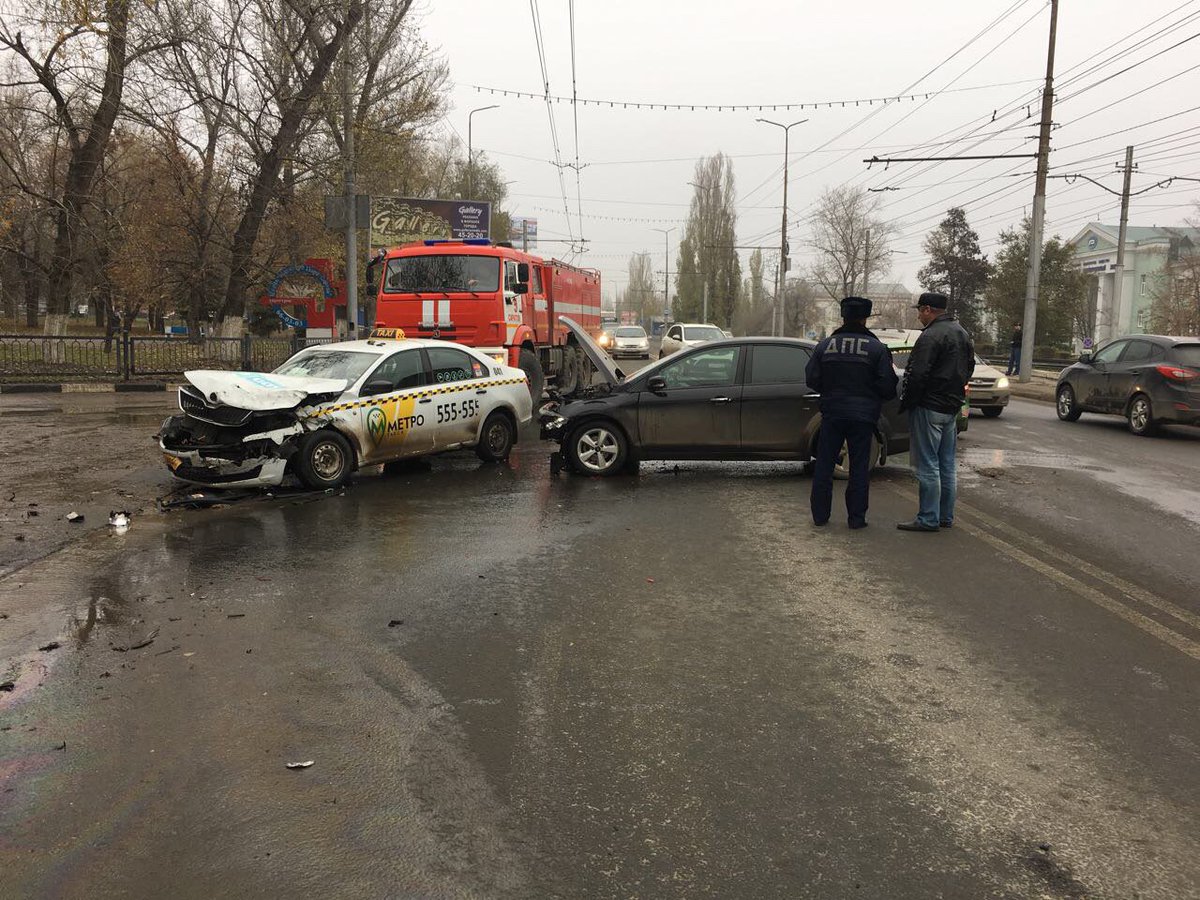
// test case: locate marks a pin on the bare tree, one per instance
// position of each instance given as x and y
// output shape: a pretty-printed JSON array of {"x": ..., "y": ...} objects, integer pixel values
[
  {"x": 1175, "y": 305},
  {"x": 852, "y": 242}
]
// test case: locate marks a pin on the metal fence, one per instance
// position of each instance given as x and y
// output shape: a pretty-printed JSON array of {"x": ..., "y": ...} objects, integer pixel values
[{"x": 25, "y": 357}]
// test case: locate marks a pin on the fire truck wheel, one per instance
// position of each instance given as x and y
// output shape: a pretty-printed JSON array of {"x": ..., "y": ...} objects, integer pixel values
[
  {"x": 568, "y": 378},
  {"x": 529, "y": 363},
  {"x": 497, "y": 438},
  {"x": 324, "y": 460}
]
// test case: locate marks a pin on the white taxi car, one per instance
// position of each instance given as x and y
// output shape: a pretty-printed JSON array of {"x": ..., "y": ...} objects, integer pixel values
[{"x": 333, "y": 408}]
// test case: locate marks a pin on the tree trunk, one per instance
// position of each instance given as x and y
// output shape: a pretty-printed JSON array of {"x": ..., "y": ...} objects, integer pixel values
[
  {"x": 266, "y": 181},
  {"x": 85, "y": 159}
]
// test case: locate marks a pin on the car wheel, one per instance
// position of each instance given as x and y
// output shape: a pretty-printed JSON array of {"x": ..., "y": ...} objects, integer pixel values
[
  {"x": 529, "y": 363},
  {"x": 991, "y": 412},
  {"x": 568, "y": 378},
  {"x": 1140, "y": 415},
  {"x": 597, "y": 448},
  {"x": 841, "y": 469},
  {"x": 497, "y": 438},
  {"x": 1066, "y": 407},
  {"x": 324, "y": 460}
]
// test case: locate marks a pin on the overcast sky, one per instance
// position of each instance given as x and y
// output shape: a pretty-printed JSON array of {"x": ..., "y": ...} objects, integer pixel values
[{"x": 636, "y": 164}]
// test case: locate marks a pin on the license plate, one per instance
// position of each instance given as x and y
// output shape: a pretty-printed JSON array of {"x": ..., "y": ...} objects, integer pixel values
[{"x": 173, "y": 462}]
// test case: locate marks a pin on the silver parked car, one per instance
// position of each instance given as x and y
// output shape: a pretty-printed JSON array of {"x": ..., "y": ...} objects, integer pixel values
[
  {"x": 630, "y": 340},
  {"x": 682, "y": 335}
]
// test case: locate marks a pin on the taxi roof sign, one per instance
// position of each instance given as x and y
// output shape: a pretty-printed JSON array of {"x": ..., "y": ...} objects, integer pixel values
[{"x": 391, "y": 334}]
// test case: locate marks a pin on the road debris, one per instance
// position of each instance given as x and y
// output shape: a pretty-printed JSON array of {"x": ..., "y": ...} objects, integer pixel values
[
  {"x": 300, "y": 765},
  {"x": 235, "y": 615},
  {"x": 8, "y": 686},
  {"x": 74, "y": 517},
  {"x": 61, "y": 745},
  {"x": 119, "y": 519},
  {"x": 146, "y": 643},
  {"x": 53, "y": 645},
  {"x": 394, "y": 622}
]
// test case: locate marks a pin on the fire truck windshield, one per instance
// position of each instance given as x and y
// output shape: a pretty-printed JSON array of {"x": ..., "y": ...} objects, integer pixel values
[{"x": 424, "y": 274}]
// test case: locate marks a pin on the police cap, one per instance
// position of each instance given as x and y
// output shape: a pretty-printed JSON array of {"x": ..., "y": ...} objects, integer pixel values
[{"x": 855, "y": 308}]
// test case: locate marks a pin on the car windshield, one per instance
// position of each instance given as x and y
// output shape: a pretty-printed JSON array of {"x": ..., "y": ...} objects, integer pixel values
[
  {"x": 1186, "y": 355},
  {"x": 632, "y": 331},
  {"x": 423, "y": 274},
  {"x": 347, "y": 364},
  {"x": 702, "y": 333}
]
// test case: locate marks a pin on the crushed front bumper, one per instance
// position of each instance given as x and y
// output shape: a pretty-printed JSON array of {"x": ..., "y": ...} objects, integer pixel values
[{"x": 203, "y": 454}]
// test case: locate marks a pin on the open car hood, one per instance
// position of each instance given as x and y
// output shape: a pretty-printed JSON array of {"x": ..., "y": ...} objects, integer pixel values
[
  {"x": 601, "y": 360},
  {"x": 260, "y": 390}
]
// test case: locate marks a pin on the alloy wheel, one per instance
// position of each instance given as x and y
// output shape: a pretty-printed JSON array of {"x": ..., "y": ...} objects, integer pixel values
[
  {"x": 1139, "y": 414},
  {"x": 597, "y": 449}
]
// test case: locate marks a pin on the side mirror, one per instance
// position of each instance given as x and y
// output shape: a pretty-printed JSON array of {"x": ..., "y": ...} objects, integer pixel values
[
  {"x": 521, "y": 287},
  {"x": 1085, "y": 356},
  {"x": 656, "y": 384},
  {"x": 371, "y": 388},
  {"x": 523, "y": 272}
]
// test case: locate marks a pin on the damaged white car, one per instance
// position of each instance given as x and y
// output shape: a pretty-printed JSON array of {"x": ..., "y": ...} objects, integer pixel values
[{"x": 334, "y": 408}]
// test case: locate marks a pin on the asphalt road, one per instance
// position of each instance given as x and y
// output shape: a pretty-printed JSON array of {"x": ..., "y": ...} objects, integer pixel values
[{"x": 668, "y": 685}]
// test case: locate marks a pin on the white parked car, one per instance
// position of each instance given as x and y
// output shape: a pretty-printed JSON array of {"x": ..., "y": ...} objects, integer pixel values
[
  {"x": 630, "y": 340},
  {"x": 682, "y": 335},
  {"x": 333, "y": 408}
]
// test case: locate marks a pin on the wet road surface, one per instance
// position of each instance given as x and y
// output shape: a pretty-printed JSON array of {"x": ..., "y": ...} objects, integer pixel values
[{"x": 668, "y": 685}]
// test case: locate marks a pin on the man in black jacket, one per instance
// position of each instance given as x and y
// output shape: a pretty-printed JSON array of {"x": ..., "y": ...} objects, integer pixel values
[
  {"x": 852, "y": 371},
  {"x": 935, "y": 380}
]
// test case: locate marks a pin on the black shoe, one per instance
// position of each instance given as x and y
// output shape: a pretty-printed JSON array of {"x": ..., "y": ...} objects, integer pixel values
[
  {"x": 915, "y": 525},
  {"x": 945, "y": 524},
  {"x": 858, "y": 524},
  {"x": 822, "y": 522}
]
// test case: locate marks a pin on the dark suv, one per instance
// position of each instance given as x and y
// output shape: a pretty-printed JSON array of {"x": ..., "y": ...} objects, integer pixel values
[{"x": 1149, "y": 379}]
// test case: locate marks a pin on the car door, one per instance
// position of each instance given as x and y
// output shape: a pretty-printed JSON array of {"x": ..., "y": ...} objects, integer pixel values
[
  {"x": 672, "y": 340},
  {"x": 777, "y": 405},
  {"x": 456, "y": 396},
  {"x": 1129, "y": 371},
  {"x": 391, "y": 425},
  {"x": 1091, "y": 383},
  {"x": 698, "y": 413}
]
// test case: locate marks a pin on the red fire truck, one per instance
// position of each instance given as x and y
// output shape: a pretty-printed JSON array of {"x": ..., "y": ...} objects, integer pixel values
[{"x": 494, "y": 297}]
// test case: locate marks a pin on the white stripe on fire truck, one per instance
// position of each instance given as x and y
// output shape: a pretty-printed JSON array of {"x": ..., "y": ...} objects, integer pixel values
[
  {"x": 426, "y": 311},
  {"x": 443, "y": 312}
]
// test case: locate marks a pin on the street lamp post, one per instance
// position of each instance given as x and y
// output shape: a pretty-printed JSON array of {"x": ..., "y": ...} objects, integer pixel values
[
  {"x": 777, "y": 316},
  {"x": 470, "y": 157},
  {"x": 666, "y": 270}
]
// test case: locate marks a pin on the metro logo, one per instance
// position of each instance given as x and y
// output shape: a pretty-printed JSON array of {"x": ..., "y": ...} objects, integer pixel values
[{"x": 376, "y": 424}]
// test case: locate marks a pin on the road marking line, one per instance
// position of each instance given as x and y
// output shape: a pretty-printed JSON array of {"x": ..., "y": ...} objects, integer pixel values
[
  {"x": 1075, "y": 586},
  {"x": 1144, "y": 623},
  {"x": 1132, "y": 590}
]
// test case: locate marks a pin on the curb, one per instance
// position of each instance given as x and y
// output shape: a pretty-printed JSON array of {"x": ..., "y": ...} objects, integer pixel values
[{"x": 121, "y": 387}]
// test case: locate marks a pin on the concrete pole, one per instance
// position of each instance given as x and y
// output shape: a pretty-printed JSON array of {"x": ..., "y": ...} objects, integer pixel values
[
  {"x": 1034, "y": 269},
  {"x": 1119, "y": 311},
  {"x": 666, "y": 232},
  {"x": 470, "y": 155},
  {"x": 351, "y": 218},
  {"x": 866, "y": 262},
  {"x": 704, "y": 315},
  {"x": 781, "y": 277}
]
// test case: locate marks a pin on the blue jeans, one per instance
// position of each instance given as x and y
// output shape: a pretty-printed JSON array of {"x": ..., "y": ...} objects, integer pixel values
[
  {"x": 857, "y": 438},
  {"x": 1014, "y": 360},
  {"x": 933, "y": 439}
]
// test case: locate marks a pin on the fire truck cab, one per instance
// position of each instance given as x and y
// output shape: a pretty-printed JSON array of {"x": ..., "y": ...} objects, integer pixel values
[{"x": 496, "y": 298}]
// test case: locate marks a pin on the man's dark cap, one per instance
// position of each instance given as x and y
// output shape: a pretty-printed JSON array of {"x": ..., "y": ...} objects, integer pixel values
[
  {"x": 855, "y": 308},
  {"x": 932, "y": 300}
]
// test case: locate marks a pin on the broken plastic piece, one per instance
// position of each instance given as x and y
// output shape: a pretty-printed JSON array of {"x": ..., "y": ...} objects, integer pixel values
[
  {"x": 74, "y": 517},
  {"x": 46, "y": 648},
  {"x": 300, "y": 765},
  {"x": 119, "y": 519}
]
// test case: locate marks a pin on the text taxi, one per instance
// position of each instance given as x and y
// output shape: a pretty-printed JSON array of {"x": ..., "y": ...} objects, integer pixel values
[{"x": 333, "y": 408}]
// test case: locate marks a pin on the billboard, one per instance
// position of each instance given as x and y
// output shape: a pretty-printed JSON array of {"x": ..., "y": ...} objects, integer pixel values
[
  {"x": 522, "y": 232},
  {"x": 397, "y": 220}
]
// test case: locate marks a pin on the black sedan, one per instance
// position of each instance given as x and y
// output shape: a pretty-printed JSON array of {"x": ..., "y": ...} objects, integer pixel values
[
  {"x": 741, "y": 399},
  {"x": 1150, "y": 379}
]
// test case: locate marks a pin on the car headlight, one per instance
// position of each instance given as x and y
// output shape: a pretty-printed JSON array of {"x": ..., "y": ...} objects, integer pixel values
[
  {"x": 553, "y": 422},
  {"x": 1002, "y": 383}
]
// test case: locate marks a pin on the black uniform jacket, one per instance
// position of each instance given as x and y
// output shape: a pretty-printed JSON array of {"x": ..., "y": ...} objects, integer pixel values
[{"x": 852, "y": 371}]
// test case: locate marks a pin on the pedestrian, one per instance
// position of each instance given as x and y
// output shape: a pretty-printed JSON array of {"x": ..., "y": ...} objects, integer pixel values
[
  {"x": 1014, "y": 350},
  {"x": 934, "y": 390},
  {"x": 852, "y": 370}
]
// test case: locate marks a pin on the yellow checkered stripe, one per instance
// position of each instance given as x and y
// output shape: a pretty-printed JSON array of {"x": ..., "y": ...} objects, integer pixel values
[{"x": 428, "y": 392}]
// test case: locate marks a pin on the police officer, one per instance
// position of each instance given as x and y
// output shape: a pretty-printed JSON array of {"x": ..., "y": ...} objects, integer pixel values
[{"x": 852, "y": 371}]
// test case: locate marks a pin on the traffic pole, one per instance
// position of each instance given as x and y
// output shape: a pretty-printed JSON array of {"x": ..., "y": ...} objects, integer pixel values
[{"x": 1118, "y": 309}]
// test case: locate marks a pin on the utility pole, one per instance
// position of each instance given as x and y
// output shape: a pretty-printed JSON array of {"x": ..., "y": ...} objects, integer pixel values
[
  {"x": 1119, "y": 275},
  {"x": 470, "y": 155},
  {"x": 1039, "y": 209},
  {"x": 666, "y": 270},
  {"x": 704, "y": 314},
  {"x": 866, "y": 262},
  {"x": 777, "y": 315},
  {"x": 351, "y": 203}
]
